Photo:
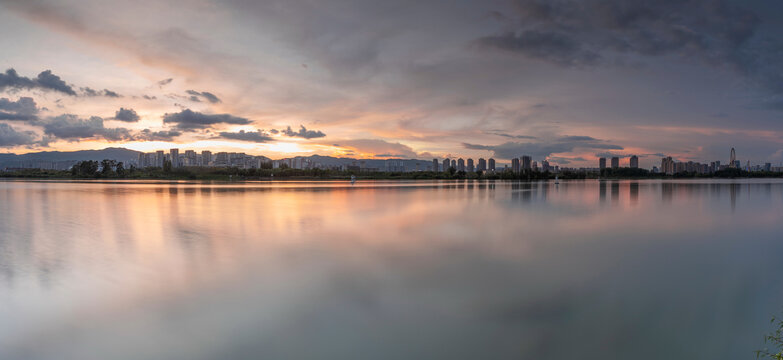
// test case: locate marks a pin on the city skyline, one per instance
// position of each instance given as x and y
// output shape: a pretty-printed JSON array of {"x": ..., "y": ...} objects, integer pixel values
[{"x": 277, "y": 81}]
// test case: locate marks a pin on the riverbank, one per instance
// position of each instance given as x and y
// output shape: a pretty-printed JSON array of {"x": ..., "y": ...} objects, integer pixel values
[{"x": 229, "y": 174}]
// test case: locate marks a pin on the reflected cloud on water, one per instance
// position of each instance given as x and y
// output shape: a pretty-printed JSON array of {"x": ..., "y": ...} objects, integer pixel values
[{"x": 388, "y": 270}]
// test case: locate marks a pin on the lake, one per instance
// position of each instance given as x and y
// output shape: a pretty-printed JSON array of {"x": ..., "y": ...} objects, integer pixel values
[{"x": 389, "y": 270}]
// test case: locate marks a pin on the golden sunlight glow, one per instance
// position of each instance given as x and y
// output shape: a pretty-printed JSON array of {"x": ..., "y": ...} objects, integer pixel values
[{"x": 285, "y": 147}]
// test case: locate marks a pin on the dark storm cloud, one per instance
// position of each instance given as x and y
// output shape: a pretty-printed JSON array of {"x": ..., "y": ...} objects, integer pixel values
[
  {"x": 251, "y": 136},
  {"x": 570, "y": 31},
  {"x": 188, "y": 120},
  {"x": 71, "y": 127},
  {"x": 127, "y": 115},
  {"x": 550, "y": 46},
  {"x": 149, "y": 135},
  {"x": 540, "y": 150},
  {"x": 11, "y": 137},
  {"x": 22, "y": 109},
  {"x": 46, "y": 80},
  {"x": 303, "y": 133},
  {"x": 197, "y": 96},
  {"x": 86, "y": 91}
]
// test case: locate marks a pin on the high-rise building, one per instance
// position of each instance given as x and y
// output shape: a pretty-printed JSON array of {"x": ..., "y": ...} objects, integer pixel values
[
  {"x": 454, "y": 164},
  {"x": 492, "y": 165},
  {"x": 602, "y": 163},
  {"x": 461, "y": 164},
  {"x": 667, "y": 166},
  {"x": 471, "y": 168},
  {"x": 221, "y": 159},
  {"x": 435, "y": 165},
  {"x": 615, "y": 162},
  {"x": 733, "y": 159},
  {"x": 394, "y": 165},
  {"x": 174, "y": 158},
  {"x": 515, "y": 165},
  {"x": 446, "y": 165},
  {"x": 206, "y": 157},
  {"x": 527, "y": 162},
  {"x": 482, "y": 164},
  {"x": 545, "y": 166},
  {"x": 190, "y": 158},
  {"x": 634, "y": 162},
  {"x": 160, "y": 157}
]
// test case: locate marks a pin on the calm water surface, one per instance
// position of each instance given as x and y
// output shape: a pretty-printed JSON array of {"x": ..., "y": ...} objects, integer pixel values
[{"x": 389, "y": 270}]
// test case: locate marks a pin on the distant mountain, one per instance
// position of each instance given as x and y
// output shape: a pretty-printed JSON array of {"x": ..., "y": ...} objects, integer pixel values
[
  {"x": 119, "y": 154},
  {"x": 67, "y": 158},
  {"x": 408, "y": 164}
]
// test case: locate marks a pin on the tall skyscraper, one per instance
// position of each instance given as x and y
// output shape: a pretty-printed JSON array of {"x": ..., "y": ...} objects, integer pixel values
[
  {"x": 446, "y": 165},
  {"x": 454, "y": 164},
  {"x": 461, "y": 164},
  {"x": 482, "y": 164},
  {"x": 634, "y": 163},
  {"x": 615, "y": 162},
  {"x": 471, "y": 168},
  {"x": 527, "y": 162},
  {"x": 515, "y": 165},
  {"x": 733, "y": 159},
  {"x": 435, "y": 165},
  {"x": 545, "y": 166},
  {"x": 602, "y": 163},
  {"x": 174, "y": 158},
  {"x": 492, "y": 165}
]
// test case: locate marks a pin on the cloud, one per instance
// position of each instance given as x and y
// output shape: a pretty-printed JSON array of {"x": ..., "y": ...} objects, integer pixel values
[
  {"x": 544, "y": 149},
  {"x": 109, "y": 93},
  {"x": 378, "y": 146},
  {"x": 554, "y": 47},
  {"x": 712, "y": 30},
  {"x": 165, "y": 82},
  {"x": 197, "y": 96},
  {"x": 149, "y": 135},
  {"x": 11, "y": 137},
  {"x": 127, "y": 115},
  {"x": 303, "y": 133},
  {"x": 46, "y": 80},
  {"x": 86, "y": 91},
  {"x": 251, "y": 136},
  {"x": 22, "y": 109},
  {"x": 603, "y": 32},
  {"x": 503, "y": 134},
  {"x": 148, "y": 97},
  {"x": 188, "y": 120},
  {"x": 71, "y": 127}
]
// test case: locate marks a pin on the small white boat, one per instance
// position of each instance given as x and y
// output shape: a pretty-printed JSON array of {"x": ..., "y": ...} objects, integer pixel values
[
  {"x": 353, "y": 179},
  {"x": 556, "y": 180}
]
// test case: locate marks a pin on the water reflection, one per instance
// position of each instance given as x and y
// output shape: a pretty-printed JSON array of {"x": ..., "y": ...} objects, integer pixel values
[{"x": 388, "y": 270}]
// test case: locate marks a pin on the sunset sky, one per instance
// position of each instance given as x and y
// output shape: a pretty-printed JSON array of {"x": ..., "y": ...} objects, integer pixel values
[{"x": 563, "y": 80}]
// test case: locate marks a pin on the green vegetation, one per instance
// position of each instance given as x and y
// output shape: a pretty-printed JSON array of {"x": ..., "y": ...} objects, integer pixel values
[
  {"x": 111, "y": 169},
  {"x": 775, "y": 339}
]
